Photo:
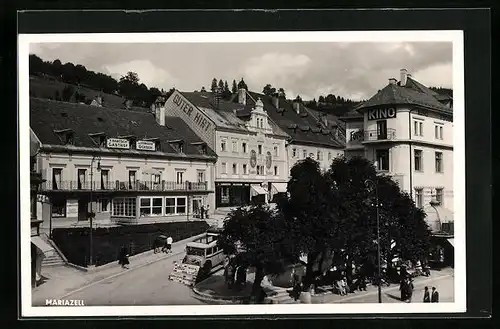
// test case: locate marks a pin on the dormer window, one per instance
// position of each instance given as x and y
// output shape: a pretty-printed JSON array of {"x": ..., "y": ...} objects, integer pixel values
[
  {"x": 178, "y": 145},
  {"x": 67, "y": 136},
  {"x": 99, "y": 139},
  {"x": 201, "y": 146}
]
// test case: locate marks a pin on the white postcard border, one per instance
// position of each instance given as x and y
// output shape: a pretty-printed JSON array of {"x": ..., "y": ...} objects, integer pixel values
[{"x": 456, "y": 37}]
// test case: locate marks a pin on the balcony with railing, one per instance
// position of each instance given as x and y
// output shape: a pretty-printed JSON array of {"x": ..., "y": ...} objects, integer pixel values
[
  {"x": 75, "y": 186},
  {"x": 379, "y": 135}
]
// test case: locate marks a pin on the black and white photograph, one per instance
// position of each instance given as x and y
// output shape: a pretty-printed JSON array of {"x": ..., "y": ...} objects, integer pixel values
[{"x": 236, "y": 173}]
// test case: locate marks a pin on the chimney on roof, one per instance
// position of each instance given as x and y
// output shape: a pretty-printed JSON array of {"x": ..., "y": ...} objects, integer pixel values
[
  {"x": 276, "y": 102},
  {"x": 99, "y": 100},
  {"x": 403, "y": 77},
  {"x": 242, "y": 96},
  {"x": 325, "y": 120},
  {"x": 159, "y": 113},
  {"x": 392, "y": 81},
  {"x": 296, "y": 107}
]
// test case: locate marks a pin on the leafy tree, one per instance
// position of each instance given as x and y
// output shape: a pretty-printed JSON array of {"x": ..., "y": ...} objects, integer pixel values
[
  {"x": 227, "y": 92},
  {"x": 258, "y": 237},
  {"x": 268, "y": 90},
  {"x": 298, "y": 99},
  {"x": 221, "y": 85},
  {"x": 242, "y": 85},
  {"x": 214, "y": 85},
  {"x": 321, "y": 99},
  {"x": 234, "y": 88},
  {"x": 308, "y": 211}
]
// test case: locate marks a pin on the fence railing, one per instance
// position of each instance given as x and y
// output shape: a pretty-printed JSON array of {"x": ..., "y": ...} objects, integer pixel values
[
  {"x": 374, "y": 135},
  {"x": 117, "y": 185}
]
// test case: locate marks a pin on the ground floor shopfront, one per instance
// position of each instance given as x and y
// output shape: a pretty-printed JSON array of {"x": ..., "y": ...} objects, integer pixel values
[
  {"x": 66, "y": 210},
  {"x": 235, "y": 194}
]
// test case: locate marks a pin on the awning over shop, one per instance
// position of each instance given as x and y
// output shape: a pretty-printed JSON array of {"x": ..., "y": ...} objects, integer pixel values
[
  {"x": 151, "y": 171},
  {"x": 257, "y": 190},
  {"x": 452, "y": 242},
  {"x": 44, "y": 247},
  {"x": 279, "y": 187}
]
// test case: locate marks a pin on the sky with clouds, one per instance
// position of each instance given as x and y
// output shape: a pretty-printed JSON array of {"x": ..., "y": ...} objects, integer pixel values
[{"x": 352, "y": 70}]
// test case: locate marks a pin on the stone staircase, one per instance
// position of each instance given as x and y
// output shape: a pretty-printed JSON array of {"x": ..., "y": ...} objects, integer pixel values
[{"x": 55, "y": 259}]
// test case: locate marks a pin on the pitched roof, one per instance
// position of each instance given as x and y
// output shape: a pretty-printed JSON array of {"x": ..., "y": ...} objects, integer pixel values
[
  {"x": 413, "y": 93},
  {"x": 303, "y": 127},
  {"x": 46, "y": 116},
  {"x": 226, "y": 114}
]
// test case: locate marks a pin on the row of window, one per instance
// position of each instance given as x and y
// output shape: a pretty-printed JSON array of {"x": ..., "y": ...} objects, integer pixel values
[
  {"x": 244, "y": 169},
  {"x": 438, "y": 161},
  {"x": 244, "y": 148},
  {"x": 82, "y": 178},
  {"x": 319, "y": 155},
  {"x": 382, "y": 160},
  {"x": 419, "y": 196},
  {"x": 418, "y": 129},
  {"x": 160, "y": 206}
]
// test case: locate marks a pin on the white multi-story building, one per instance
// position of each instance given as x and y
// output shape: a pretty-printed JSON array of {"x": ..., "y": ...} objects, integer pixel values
[
  {"x": 406, "y": 129},
  {"x": 251, "y": 165},
  {"x": 127, "y": 167}
]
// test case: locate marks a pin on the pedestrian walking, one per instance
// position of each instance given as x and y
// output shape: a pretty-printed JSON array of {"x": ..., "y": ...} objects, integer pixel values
[
  {"x": 409, "y": 292},
  {"x": 427, "y": 297},
  {"x": 207, "y": 209},
  {"x": 169, "y": 244},
  {"x": 435, "y": 295},
  {"x": 123, "y": 257},
  {"x": 202, "y": 211}
]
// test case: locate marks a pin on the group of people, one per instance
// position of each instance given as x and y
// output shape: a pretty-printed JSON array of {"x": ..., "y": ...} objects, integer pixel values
[
  {"x": 431, "y": 297},
  {"x": 165, "y": 245},
  {"x": 235, "y": 275},
  {"x": 204, "y": 210},
  {"x": 407, "y": 288}
]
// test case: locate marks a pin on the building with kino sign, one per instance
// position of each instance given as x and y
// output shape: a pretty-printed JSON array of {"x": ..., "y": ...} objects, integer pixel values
[
  {"x": 252, "y": 163},
  {"x": 406, "y": 129},
  {"x": 127, "y": 167}
]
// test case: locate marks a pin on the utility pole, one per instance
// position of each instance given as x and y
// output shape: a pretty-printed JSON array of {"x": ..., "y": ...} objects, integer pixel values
[{"x": 374, "y": 185}]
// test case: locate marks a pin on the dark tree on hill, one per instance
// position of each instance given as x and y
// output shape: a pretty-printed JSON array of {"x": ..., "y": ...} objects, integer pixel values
[
  {"x": 221, "y": 85},
  {"x": 36, "y": 64},
  {"x": 234, "y": 88},
  {"x": 214, "y": 85},
  {"x": 57, "y": 96},
  {"x": 442, "y": 91},
  {"x": 257, "y": 236},
  {"x": 67, "y": 92},
  {"x": 242, "y": 85},
  {"x": 203, "y": 90},
  {"x": 269, "y": 90},
  {"x": 308, "y": 211},
  {"x": 298, "y": 99},
  {"x": 321, "y": 99},
  {"x": 281, "y": 93},
  {"x": 227, "y": 93}
]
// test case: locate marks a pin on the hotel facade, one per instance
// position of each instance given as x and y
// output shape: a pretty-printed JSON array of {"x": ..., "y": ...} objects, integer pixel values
[
  {"x": 117, "y": 166},
  {"x": 257, "y": 138},
  {"x": 406, "y": 129}
]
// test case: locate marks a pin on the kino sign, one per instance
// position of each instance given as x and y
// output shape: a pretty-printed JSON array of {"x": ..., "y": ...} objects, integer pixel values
[{"x": 378, "y": 114}]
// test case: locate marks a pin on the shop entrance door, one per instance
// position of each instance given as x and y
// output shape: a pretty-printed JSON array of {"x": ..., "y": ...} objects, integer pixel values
[{"x": 82, "y": 209}]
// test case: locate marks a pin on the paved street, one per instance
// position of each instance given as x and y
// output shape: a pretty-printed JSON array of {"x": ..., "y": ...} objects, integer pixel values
[{"x": 148, "y": 285}]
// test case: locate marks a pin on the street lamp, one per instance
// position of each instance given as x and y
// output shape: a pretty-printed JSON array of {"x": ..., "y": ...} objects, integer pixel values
[
  {"x": 92, "y": 214},
  {"x": 374, "y": 185}
]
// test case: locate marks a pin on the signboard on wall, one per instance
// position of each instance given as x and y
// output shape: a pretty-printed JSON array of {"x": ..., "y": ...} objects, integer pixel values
[
  {"x": 253, "y": 158},
  {"x": 145, "y": 146},
  {"x": 117, "y": 143},
  {"x": 379, "y": 114},
  {"x": 269, "y": 160},
  {"x": 191, "y": 113},
  {"x": 72, "y": 208}
]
